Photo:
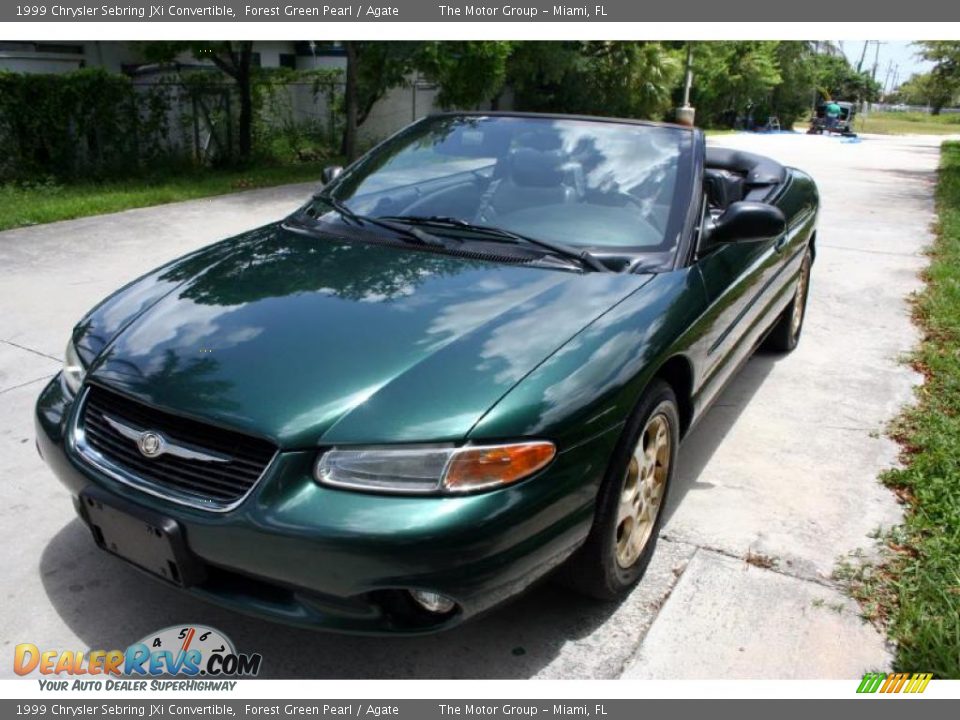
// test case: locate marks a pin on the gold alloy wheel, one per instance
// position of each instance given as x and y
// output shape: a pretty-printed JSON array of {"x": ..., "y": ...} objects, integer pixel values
[
  {"x": 799, "y": 298},
  {"x": 642, "y": 493}
]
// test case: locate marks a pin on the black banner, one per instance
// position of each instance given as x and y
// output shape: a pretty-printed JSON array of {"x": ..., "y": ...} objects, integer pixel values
[
  {"x": 874, "y": 709},
  {"x": 613, "y": 11}
]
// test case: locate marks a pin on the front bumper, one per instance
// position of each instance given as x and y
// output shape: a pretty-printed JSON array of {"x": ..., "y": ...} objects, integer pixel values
[{"x": 304, "y": 554}]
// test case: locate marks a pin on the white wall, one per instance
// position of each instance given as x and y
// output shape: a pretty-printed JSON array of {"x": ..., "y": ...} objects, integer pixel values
[
  {"x": 270, "y": 51},
  {"x": 399, "y": 107},
  {"x": 32, "y": 62},
  {"x": 321, "y": 62},
  {"x": 110, "y": 56},
  {"x": 113, "y": 55}
]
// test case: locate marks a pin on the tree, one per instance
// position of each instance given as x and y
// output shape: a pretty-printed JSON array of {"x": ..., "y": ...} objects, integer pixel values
[
  {"x": 634, "y": 79},
  {"x": 836, "y": 78},
  {"x": 793, "y": 97},
  {"x": 731, "y": 78},
  {"x": 628, "y": 79},
  {"x": 373, "y": 68},
  {"x": 468, "y": 73},
  {"x": 928, "y": 89},
  {"x": 734, "y": 80},
  {"x": 944, "y": 82},
  {"x": 544, "y": 75},
  {"x": 234, "y": 59}
]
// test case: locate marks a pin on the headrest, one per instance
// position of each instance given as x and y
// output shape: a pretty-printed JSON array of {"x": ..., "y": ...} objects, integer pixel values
[
  {"x": 539, "y": 140},
  {"x": 722, "y": 187},
  {"x": 536, "y": 168}
]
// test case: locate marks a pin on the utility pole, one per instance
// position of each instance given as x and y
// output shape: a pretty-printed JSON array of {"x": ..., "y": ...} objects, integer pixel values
[
  {"x": 686, "y": 113},
  {"x": 876, "y": 57},
  {"x": 863, "y": 55},
  {"x": 890, "y": 84},
  {"x": 876, "y": 62},
  {"x": 886, "y": 79}
]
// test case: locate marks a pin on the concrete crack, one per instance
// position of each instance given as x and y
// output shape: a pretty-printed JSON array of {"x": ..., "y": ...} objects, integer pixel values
[
  {"x": 777, "y": 568},
  {"x": 31, "y": 350},
  {"x": 24, "y": 384}
]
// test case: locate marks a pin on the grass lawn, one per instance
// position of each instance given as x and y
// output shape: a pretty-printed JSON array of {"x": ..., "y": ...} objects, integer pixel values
[
  {"x": 907, "y": 123},
  {"x": 43, "y": 203},
  {"x": 901, "y": 123},
  {"x": 916, "y": 590}
]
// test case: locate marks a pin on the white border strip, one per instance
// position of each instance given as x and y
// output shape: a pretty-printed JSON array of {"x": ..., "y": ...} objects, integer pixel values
[
  {"x": 237, "y": 30},
  {"x": 373, "y": 690}
]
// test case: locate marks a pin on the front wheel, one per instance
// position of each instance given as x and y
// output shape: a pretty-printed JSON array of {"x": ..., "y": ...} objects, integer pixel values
[
  {"x": 631, "y": 500},
  {"x": 786, "y": 331}
]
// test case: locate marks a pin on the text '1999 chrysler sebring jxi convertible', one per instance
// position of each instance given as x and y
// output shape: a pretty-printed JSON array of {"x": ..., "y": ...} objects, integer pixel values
[{"x": 466, "y": 363}]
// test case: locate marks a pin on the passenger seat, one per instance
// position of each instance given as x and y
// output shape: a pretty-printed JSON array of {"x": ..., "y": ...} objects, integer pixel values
[{"x": 530, "y": 178}]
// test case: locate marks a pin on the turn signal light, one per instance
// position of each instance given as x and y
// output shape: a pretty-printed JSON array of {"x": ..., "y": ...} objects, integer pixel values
[{"x": 485, "y": 467}]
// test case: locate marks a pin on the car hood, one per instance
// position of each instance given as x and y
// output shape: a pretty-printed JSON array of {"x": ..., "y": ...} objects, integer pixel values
[{"x": 309, "y": 340}]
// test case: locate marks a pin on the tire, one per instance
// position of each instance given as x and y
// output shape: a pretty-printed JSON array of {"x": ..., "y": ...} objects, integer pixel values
[
  {"x": 785, "y": 334},
  {"x": 608, "y": 565}
]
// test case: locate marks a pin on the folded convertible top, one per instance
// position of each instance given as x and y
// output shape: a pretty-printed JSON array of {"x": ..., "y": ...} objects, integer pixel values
[{"x": 756, "y": 169}]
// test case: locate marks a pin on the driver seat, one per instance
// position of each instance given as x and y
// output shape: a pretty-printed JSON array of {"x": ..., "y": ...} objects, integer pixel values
[{"x": 529, "y": 177}]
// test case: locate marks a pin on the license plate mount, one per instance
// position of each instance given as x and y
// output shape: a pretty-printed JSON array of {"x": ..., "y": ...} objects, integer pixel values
[{"x": 150, "y": 541}]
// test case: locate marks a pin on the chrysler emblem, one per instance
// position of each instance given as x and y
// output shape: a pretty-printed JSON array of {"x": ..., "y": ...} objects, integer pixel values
[{"x": 150, "y": 443}]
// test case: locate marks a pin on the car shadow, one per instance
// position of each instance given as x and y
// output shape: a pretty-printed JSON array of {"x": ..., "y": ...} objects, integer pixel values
[
  {"x": 109, "y": 605},
  {"x": 708, "y": 434}
]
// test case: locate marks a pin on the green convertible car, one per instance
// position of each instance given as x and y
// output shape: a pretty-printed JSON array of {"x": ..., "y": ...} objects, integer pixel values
[{"x": 466, "y": 363}]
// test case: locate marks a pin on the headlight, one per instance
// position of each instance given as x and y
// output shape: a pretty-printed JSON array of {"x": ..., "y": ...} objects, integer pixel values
[
  {"x": 431, "y": 469},
  {"x": 73, "y": 369}
]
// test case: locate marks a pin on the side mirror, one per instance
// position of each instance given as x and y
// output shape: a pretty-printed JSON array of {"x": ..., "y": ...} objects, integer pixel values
[
  {"x": 747, "y": 221},
  {"x": 331, "y": 173}
]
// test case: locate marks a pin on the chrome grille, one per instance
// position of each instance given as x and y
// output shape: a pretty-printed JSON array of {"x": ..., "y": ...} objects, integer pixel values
[{"x": 103, "y": 437}]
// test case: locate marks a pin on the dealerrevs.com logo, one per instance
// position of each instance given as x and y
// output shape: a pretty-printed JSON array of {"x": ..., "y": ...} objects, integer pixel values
[{"x": 180, "y": 651}]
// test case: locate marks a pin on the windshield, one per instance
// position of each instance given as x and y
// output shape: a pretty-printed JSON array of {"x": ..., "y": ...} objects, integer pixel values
[{"x": 593, "y": 184}]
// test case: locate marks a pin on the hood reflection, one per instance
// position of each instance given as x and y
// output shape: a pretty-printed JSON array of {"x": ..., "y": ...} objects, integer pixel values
[{"x": 305, "y": 339}]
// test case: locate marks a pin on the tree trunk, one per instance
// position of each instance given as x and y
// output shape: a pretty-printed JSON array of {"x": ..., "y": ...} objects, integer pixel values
[
  {"x": 245, "y": 141},
  {"x": 238, "y": 65},
  {"x": 245, "y": 85},
  {"x": 348, "y": 146}
]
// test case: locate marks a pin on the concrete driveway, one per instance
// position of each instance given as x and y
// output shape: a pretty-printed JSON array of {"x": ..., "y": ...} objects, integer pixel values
[{"x": 775, "y": 484}]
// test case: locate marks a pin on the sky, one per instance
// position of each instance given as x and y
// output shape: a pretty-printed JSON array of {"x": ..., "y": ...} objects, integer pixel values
[{"x": 898, "y": 52}]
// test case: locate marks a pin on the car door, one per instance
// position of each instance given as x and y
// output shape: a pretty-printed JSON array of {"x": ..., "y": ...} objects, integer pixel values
[{"x": 740, "y": 279}]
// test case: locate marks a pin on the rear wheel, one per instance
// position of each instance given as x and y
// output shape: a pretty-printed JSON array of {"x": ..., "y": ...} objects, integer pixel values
[
  {"x": 786, "y": 332},
  {"x": 631, "y": 500}
]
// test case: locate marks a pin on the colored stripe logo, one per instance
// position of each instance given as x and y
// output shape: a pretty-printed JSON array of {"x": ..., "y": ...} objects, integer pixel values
[{"x": 894, "y": 683}]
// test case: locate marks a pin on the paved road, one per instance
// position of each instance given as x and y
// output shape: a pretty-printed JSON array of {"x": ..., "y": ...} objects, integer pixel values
[{"x": 782, "y": 468}]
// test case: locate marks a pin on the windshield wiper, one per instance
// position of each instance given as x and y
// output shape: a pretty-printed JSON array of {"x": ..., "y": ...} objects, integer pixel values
[
  {"x": 408, "y": 233},
  {"x": 430, "y": 220},
  {"x": 583, "y": 257}
]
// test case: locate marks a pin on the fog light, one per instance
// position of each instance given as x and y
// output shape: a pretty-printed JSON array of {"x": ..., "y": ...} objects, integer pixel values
[{"x": 432, "y": 601}]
